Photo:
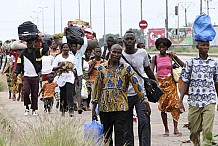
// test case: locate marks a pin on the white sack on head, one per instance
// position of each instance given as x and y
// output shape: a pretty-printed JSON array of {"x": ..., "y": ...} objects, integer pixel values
[{"x": 18, "y": 45}]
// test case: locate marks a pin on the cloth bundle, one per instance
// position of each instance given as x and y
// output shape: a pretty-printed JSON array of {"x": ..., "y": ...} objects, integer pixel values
[{"x": 203, "y": 28}]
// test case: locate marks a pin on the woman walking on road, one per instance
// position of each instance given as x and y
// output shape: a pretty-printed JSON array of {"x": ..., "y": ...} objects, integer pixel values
[
  {"x": 169, "y": 101},
  {"x": 64, "y": 65}
]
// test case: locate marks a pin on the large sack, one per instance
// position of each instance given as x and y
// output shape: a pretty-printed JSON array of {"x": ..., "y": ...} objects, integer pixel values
[
  {"x": 92, "y": 43},
  {"x": 18, "y": 45},
  {"x": 74, "y": 35},
  {"x": 203, "y": 28},
  {"x": 28, "y": 31}
]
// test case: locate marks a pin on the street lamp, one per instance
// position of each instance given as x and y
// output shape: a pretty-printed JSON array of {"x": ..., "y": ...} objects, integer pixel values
[
  {"x": 54, "y": 15},
  {"x": 37, "y": 17},
  {"x": 90, "y": 21},
  {"x": 32, "y": 18},
  {"x": 79, "y": 8},
  {"x": 43, "y": 17},
  {"x": 121, "y": 18},
  {"x": 61, "y": 15}
]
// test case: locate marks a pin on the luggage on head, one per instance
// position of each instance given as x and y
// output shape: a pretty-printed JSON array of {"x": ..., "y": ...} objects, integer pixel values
[
  {"x": 28, "y": 31},
  {"x": 74, "y": 35}
]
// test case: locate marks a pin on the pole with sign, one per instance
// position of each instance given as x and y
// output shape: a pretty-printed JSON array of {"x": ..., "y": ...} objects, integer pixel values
[{"x": 143, "y": 25}]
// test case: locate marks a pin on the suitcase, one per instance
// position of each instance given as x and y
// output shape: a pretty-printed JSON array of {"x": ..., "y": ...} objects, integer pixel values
[{"x": 28, "y": 31}]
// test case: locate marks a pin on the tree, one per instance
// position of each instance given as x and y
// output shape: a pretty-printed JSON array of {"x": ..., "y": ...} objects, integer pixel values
[
  {"x": 101, "y": 40},
  {"x": 138, "y": 33}
]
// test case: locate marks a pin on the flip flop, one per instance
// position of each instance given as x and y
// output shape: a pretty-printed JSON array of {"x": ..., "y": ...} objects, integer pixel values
[
  {"x": 166, "y": 135},
  {"x": 178, "y": 134}
]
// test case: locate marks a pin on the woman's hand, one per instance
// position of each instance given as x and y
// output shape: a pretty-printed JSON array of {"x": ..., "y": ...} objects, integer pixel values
[
  {"x": 171, "y": 54},
  {"x": 181, "y": 107}
]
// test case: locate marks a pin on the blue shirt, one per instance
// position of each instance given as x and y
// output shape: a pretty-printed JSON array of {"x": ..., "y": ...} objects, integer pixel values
[{"x": 201, "y": 75}]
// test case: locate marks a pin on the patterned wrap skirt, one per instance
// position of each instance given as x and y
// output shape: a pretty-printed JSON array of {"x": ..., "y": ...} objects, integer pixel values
[{"x": 169, "y": 101}]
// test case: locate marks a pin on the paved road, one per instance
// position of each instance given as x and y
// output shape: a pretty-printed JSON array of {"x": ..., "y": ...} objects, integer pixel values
[{"x": 16, "y": 109}]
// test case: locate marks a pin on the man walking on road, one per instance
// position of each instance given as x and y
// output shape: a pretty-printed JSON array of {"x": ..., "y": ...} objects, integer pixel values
[
  {"x": 139, "y": 60},
  {"x": 110, "y": 88},
  {"x": 200, "y": 79},
  {"x": 29, "y": 63}
]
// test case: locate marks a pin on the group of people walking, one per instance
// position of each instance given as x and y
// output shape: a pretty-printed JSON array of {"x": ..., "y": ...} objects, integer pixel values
[{"x": 114, "y": 89}]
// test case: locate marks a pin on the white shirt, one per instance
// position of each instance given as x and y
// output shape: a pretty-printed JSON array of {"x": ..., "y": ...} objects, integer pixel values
[
  {"x": 138, "y": 60},
  {"x": 47, "y": 64},
  {"x": 102, "y": 51},
  {"x": 78, "y": 57},
  {"x": 29, "y": 69},
  {"x": 85, "y": 65},
  {"x": 65, "y": 77}
]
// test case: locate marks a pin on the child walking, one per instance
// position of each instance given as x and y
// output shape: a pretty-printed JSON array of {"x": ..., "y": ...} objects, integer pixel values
[{"x": 49, "y": 92}]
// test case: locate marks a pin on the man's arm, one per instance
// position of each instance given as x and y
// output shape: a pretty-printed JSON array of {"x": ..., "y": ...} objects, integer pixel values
[
  {"x": 149, "y": 72},
  {"x": 216, "y": 86},
  {"x": 84, "y": 46},
  {"x": 185, "y": 87}
]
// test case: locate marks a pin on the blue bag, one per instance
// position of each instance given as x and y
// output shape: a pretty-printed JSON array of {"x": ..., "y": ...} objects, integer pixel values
[
  {"x": 203, "y": 28},
  {"x": 94, "y": 131}
]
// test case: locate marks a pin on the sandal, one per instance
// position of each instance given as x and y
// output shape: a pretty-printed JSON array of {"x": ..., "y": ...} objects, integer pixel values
[
  {"x": 166, "y": 135},
  {"x": 71, "y": 113},
  {"x": 80, "y": 111},
  {"x": 178, "y": 134}
]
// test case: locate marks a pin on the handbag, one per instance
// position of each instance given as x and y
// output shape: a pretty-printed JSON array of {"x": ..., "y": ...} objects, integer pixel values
[
  {"x": 151, "y": 86},
  {"x": 177, "y": 69}
]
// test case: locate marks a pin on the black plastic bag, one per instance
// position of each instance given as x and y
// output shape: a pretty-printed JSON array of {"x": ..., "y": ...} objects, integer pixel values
[{"x": 74, "y": 35}]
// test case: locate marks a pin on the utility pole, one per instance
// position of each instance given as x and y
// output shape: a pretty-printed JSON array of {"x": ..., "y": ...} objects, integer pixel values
[
  {"x": 79, "y": 7},
  {"x": 166, "y": 21},
  {"x": 142, "y": 30},
  {"x": 208, "y": 6},
  {"x": 104, "y": 23},
  {"x": 200, "y": 6},
  {"x": 186, "y": 6},
  {"x": 90, "y": 21},
  {"x": 37, "y": 17},
  {"x": 61, "y": 15},
  {"x": 54, "y": 15},
  {"x": 121, "y": 18}
]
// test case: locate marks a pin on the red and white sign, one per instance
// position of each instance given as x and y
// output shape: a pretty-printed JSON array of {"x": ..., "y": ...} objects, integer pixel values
[
  {"x": 143, "y": 24},
  {"x": 154, "y": 34}
]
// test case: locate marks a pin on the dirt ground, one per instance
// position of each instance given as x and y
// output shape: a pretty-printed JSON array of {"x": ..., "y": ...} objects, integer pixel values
[{"x": 16, "y": 109}]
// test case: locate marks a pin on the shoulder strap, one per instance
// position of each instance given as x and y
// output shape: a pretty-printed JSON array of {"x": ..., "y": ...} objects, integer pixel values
[
  {"x": 155, "y": 61},
  {"x": 132, "y": 66},
  {"x": 82, "y": 63}
]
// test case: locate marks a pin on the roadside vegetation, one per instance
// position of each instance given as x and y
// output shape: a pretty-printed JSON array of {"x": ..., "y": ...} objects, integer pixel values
[
  {"x": 185, "y": 49},
  {"x": 41, "y": 131}
]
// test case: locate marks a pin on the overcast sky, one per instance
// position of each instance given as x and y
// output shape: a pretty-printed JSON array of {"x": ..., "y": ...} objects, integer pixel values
[{"x": 15, "y": 12}]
